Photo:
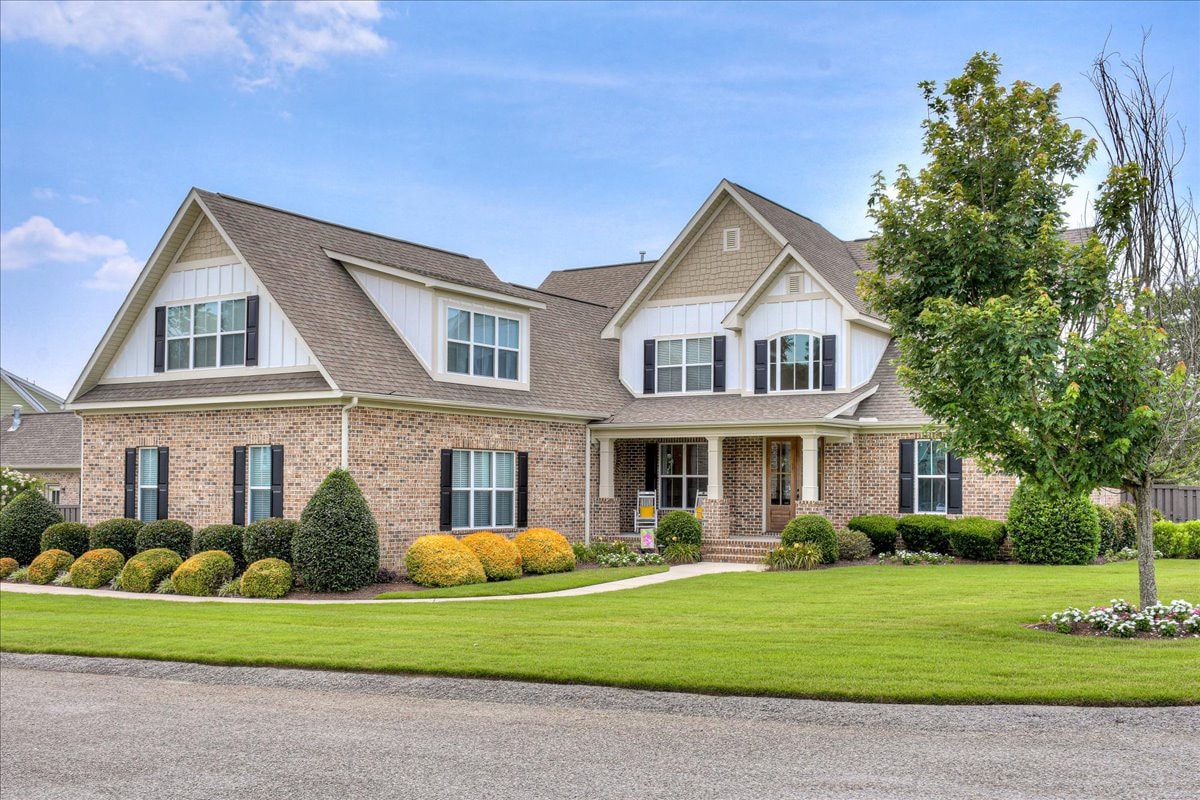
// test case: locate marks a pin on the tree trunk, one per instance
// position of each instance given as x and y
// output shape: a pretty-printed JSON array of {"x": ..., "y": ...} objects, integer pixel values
[{"x": 1143, "y": 503}]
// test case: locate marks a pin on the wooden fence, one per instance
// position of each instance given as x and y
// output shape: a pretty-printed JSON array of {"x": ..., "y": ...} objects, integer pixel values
[
  {"x": 70, "y": 513},
  {"x": 1177, "y": 503}
]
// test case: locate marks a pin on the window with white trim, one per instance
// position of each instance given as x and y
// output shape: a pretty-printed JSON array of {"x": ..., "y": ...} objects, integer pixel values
[
  {"x": 794, "y": 362},
  {"x": 258, "y": 488},
  {"x": 202, "y": 335},
  {"x": 483, "y": 345},
  {"x": 483, "y": 489},
  {"x": 53, "y": 493},
  {"x": 684, "y": 365},
  {"x": 147, "y": 495},
  {"x": 931, "y": 476},
  {"x": 682, "y": 474}
]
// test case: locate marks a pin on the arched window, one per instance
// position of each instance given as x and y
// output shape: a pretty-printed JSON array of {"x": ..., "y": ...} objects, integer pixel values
[{"x": 794, "y": 361}]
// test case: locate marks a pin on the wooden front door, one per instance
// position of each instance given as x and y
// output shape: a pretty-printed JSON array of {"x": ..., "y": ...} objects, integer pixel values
[{"x": 782, "y": 484}]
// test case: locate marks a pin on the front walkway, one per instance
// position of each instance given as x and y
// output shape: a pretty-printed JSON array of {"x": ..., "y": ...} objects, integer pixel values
[{"x": 673, "y": 574}]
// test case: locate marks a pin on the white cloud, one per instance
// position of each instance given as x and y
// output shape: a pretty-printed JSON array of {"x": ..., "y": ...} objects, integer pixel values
[
  {"x": 116, "y": 273},
  {"x": 84, "y": 200},
  {"x": 43, "y": 193},
  {"x": 37, "y": 240}
]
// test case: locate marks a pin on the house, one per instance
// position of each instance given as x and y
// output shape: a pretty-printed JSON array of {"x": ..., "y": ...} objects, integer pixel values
[
  {"x": 260, "y": 348},
  {"x": 46, "y": 445},
  {"x": 33, "y": 399}
]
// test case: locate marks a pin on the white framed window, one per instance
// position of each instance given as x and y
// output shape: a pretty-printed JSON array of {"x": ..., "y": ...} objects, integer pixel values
[
  {"x": 482, "y": 345},
  {"x": 731, "y": 239},
  {"x": 53, "y": 493},
  {"x": 483, "y": 489},
  {"x": 682, "y": 474},
  {"x": 208, "y": 334},
  {"x": 147, "y": 495},
  {"x": 931, "y": 476},
  {"x": 684, "y": 365},
  {"x": 794, "y": 362},
  {"x": 258, "y": 485}
]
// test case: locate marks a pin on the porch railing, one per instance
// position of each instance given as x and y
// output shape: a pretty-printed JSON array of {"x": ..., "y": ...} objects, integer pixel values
[{"x": 70, "y": 513}]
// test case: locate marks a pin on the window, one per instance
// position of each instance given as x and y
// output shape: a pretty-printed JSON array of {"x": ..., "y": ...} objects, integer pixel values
[
  {"x": 684, "y": 365},
  {"x": 931, "y": 476},
  {"x": 483, "y": 345},
  {"x": 200, "y": 335},
  {"x": 794, "y": 362},
  {"x": 258, "y": 495},
  {"x": 54, "y": 494},
  {"x": 731, "y": 239},
  {"x": 147, "y": 495},
  {"x": 483, "y": 484},
  {"x": 683, "y": 473}
]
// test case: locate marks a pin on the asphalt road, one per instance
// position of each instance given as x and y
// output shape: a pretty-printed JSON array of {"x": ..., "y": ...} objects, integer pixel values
[{"x": 92, "y": 728}]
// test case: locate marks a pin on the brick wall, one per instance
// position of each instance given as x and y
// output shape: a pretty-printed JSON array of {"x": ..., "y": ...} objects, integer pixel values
[
  {"x": 67, "y": 481},
  {"x": 708, "y": 270}
]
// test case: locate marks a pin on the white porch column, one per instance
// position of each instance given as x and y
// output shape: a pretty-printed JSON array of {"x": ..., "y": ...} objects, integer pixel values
[
  {"x": 606, "y": 468},
  {"x": 714, "y": 467},
  {"x": 809, "y": 491}
]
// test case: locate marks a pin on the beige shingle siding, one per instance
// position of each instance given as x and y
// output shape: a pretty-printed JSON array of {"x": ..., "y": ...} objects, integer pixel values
[
  {"x": 206, "y": 242},
  {"x": 707, "y": 270}
]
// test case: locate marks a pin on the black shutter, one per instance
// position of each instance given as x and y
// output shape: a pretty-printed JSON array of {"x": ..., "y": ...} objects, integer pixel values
[
  {"x": 276, "y": 480},
  {"x": 651, "y": 467},
  {"x": 447, "y": 482},
  {"x": 130, "y": 482},
  {"x": 252, "y": 331},
  {"x": 239, "y": 485},
  {"x": 648, "y": 355},
  {"x": 160, "y": 338},
  {"x": 522, "y": 490},
  {"x": 164, "y": 479},
  {"x": 760, "y": 366},
  {"x": 907, "y": 475},
  {"x": 954, "y": 487},
  {"x": 828, "y": 363},
  {"x": 718, "y": 363}
]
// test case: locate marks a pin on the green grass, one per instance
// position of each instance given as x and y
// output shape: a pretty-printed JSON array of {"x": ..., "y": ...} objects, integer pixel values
[
  {"x": 950, "y": 634},
  {"x": 531, "y": 584}
]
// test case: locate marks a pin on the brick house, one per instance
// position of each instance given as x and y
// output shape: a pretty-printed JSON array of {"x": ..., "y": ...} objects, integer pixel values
[
  {"x": 40, "y": 439},
  {"x": 260, "y": 349}
]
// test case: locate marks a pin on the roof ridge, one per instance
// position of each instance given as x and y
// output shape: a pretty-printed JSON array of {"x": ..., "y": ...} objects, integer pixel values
[
  {"x": 781, "y": 205},
  {"x": 605, "y": 266}
]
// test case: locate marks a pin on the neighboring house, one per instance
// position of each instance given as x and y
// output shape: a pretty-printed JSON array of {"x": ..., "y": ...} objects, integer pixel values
[
  {"x": 33, "y": 399},
  {"x": 260, "y": 348},
  {"x": 46, "y": 445}
]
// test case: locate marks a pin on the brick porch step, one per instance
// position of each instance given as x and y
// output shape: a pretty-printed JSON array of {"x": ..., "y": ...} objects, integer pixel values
[{"x": 739, "y": 551}]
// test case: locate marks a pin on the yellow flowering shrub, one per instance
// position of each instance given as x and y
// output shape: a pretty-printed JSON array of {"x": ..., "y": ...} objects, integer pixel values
[
  {"x": 46, "y": 566},
  {"x": 544, "y": 551},
  {"x": 146, "y": 570},
  {"x": 7, "y": 567},
  {"x": 267, "y": 577},
  {"x": 203, "y": 574},
  {"x": 96, "y": 568},
  {"x": 442, "y": 560},
  {"x": 500, "y": 558}
]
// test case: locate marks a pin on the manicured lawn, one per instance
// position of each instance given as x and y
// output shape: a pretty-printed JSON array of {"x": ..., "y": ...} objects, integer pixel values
[
  {"x": 950, "y": 634},
  {"x": 532, "y": 584}
]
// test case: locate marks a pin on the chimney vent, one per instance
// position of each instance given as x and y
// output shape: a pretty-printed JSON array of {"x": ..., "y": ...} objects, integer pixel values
[
  {"x": 641, "y": 255},
  {"x": 16, "y": 420}
]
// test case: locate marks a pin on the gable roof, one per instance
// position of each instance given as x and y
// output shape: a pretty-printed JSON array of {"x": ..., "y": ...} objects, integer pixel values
[
  {"x": 52, "y": 439},
  {"x": 608, "y": 285},
  {"x": 34, "y": 398}
]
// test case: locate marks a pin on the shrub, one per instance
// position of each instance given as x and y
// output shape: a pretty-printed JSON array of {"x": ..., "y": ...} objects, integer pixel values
[
  {"x": 46, "y": 566},
  {"x": 267, "y": 577},
  {"x": 13, "y": 482},
  {"x": 1126, "y": 532},
  {"x": 203, "y": 574},
  {"x": 119, "y": 534},
  {"x": 1046, "y": 529},
  {"x": 19, "y": 575},
  {"x": 269, "y": 538},
  {"x": 22, "y": 522},
  {"x": 930, "y": 532},
  {"x": 812, "y": 528},
  {"x": 336, "y": 548},
  {"x": 222, "y": 537},
  {"x": 172, "y": 534},
  {"x": 232, "y": 588},
  {"x": 500, "y": 558},
  {"x": 1109, "y": 533},
  {"x": 677, "y": 526},
  {"x": 976, "y": 538},
  {"x": 680, "y": 553},
  {"x": 853, "y": 545},
  {"x": 96, "y": 568},
  {"x": 69, "y": 536},
  {"x": 1171, "y": 539},
  {"x": 146, "y": 570},
  {"x": 544, "y": 551},
  {"x": 798, "y": 555},
  {"x": 442, "y": 560},
  {"x": 1192, "y": 528},
  {"x": 7, "y": 567},
  {"x": 879, "y": 528}
]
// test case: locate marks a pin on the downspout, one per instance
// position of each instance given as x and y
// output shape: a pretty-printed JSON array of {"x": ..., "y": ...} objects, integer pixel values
[
  {"x": 346, "y": 431},
  {"x": 587, "y": 485}
]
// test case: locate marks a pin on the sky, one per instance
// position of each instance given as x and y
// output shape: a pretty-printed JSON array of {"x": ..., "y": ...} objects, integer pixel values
[{"x": 535, "y": 136}]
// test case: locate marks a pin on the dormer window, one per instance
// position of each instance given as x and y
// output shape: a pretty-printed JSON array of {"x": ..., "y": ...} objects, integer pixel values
[
  {"x": 794, "y": 361},
  {"x": 731, "y": 239},
  {"x": 202, "y": 335},
  {"x": 482, "y": 345}
]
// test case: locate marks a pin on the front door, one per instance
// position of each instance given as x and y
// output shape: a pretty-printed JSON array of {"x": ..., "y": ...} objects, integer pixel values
[{"x": 781, "y": 482}]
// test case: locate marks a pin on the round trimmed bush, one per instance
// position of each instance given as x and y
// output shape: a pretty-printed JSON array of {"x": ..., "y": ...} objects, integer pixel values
[
  {"x": 69, "y": 536},
  {"x": 853, "y": 545},
  {"x": 203, "y": 574},
  {"x": 96, "y": 568},
  {"x": 173, "y": 534},
  {"x": 119, "y": 534},
  {"x": 1108, "y": 528},
  {"x": 1170, "y": 539},
  {"x": 222, "y": 537},
  {"x": 544, "y": 551},
  {"x": 336, "y": 548},
  {"x": 146, "y": 570},
  {"x": 267, "y": 577},
  {"x": 269, "y": 538},
  {"x": 46, "y": 566},
  {"x": 976, "y": 538},
  {"x": 677, "y": 527},
  {"x": 500, "y": 558},
  {"x": 22, "y": 522},
  {"x": 442, "y": 560},
  {"x": 812, "y": 528},
  {"x": 7, "y": 567},
  {"x": 1047, "y": 529},
  {"x": 879, "y": 528},
  {"x": 1192, "y": 529},
  {"x": 929, "y": 532},
  {"x": 1126, "y": 533}
]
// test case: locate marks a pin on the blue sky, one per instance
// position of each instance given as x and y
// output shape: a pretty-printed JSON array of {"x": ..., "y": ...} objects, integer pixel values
[{"x": 534, "y": 136}]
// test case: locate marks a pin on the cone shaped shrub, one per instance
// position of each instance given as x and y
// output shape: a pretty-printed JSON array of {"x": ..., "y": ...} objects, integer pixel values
[
  {"x": 172, "y": 534},
  {"x": 544, "y": 551},
  {"x": 336, "y": 548},
  {"x": 22, "y": 523},
  {"x": 1052, "y": 530},
  {"x": 203, "y": 574},
  {"x": 46, "y": 566},
  {"x": 96, "y": 568},
  {"x": 268, "y": 577},
  {"x": 7, "y": 567},
  {"x": 269, "y": 538},
  {"x": 120, "y": 534},
  {"x": 146, "y": 570},
  {"x": 812, "y": 528},
  {"x": 222, "y": 537},
  {"x": 69, "y": 536},
  {"x": 500, "y": 558}
]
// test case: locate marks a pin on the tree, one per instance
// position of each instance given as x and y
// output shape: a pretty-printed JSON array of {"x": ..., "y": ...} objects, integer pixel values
[{"x": 1011, "y": 338}]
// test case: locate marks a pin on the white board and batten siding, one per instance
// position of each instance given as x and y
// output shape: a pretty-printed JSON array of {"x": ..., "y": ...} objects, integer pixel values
[
  {"x": 866, "y": 348},
  {"x": 407, "y": 306},
  {"x": 821, "y": 316},
  {"x": 686, "y": 319}
]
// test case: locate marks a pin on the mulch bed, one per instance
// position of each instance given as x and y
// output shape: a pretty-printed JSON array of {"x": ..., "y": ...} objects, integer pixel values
[{"x": 370, "y": 592}]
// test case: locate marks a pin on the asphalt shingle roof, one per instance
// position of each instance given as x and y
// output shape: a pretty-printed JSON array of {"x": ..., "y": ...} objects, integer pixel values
[
  {"x": 270, "y": 383},
  {"x": 717, "y": 408},
  {"x": 608, "y": 285},
  {"x": 47, "y": 439}
]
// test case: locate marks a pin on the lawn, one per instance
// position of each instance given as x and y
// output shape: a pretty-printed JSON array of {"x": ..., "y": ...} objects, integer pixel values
[
  {"x": 950, "y": 634},
  {"x": 531, "y": 584}
]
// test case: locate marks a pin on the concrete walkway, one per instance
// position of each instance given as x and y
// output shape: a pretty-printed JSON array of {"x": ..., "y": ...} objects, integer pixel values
[{"x": 673, "y": 574}]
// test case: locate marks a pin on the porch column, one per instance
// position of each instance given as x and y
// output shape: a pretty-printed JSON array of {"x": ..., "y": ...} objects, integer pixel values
[
  {"x": 809, "y": 487},
  {"x": 714, "y": 467},
  {"x": 606, "y": 468}
]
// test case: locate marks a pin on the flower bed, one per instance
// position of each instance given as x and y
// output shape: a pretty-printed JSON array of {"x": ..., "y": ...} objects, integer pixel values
[
  {"x": 908, "y": 557},
  {"x": 1123, "y": 620}
]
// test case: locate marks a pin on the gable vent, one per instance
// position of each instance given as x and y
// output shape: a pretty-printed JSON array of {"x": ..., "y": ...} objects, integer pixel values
[
  {"x": 732, "y": 239},
  {"x": 795, "y": 283}
]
